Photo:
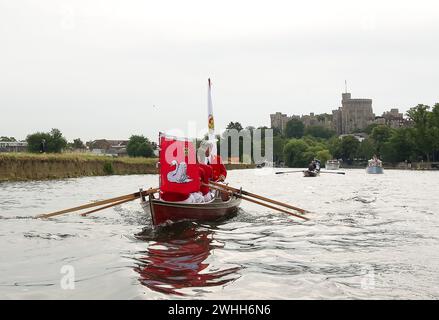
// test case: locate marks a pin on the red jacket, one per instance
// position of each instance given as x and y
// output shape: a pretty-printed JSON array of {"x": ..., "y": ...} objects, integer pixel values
[
  {"x": 218, "y": 168},
  {"x": 205, "y": 176}
]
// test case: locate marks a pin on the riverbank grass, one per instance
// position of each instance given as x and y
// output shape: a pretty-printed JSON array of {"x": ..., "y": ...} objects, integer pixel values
[
  {"x": 37, "y": 166},
  {"x": 23, "y": 156}
]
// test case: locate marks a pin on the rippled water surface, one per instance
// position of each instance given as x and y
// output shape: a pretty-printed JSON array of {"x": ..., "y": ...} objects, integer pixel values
[{"x": 370, "y": 236}]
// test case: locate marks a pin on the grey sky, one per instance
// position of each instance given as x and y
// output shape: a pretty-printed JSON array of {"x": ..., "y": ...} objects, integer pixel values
[{"x": 94, "y": 69}]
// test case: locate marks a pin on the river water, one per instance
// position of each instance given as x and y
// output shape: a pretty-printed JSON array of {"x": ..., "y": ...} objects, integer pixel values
[{"x": 369, "y": 237}]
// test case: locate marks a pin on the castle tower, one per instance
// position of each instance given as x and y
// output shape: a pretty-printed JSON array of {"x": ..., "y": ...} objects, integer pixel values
[{"x": 354, "y": 114}]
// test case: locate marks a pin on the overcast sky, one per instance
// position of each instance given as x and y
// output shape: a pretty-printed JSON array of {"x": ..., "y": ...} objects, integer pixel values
[{"x": 96, "y": 68}]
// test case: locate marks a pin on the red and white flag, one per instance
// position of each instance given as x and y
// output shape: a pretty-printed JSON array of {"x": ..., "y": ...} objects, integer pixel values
[
  {"x": 210, "y": 119},
  {"x": 178, "y": 166}
]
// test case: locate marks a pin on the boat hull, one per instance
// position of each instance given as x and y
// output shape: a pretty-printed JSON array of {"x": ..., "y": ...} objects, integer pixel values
[
  {"x": 374, "y": 170},
  {"x": 166, "y": 212},
  {"x": 308, "y": 173}
]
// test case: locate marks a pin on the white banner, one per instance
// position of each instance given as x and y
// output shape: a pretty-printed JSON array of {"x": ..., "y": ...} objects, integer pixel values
[{"x": 210, "y": 119}]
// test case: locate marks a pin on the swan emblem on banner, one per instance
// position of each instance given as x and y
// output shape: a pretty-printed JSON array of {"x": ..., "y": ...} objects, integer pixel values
[{"x": 179, "y": 175}]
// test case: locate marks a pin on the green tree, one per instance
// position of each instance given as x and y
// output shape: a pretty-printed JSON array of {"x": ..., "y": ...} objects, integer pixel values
[
  {"x": 366, "y": 149},
  {"x": 294, "y": 129},
  {"x": 139, "y": 146},
  {"x": 434, "y": 119},
  {"x": 34, "y": 141},
  {"x": 380, "y": 135},
  {"x": 319, "y": 132},
  {"x": 78, "y": 144},
  {"x": 277, "y": 132},
  {"x": 370, "y": 127},
  {"x": 57, "y": 142},
  {"x": 323, "y": 156},
  {"x": 422, "y": 134},
  {"x": 294, "y": 153},
  {"x": 348, "y": 148},
  {"x": 312, "y": 141},
  {"x": 399, "y": 147},
  {"x": 54, "y": 141},
  {"x": 435, "y": 116},
  {"x": 311, "y": 151},
  {"x": 234, "y": 125},
  {"x": 278, "y": 148},
  {"x": 334, "y": 146}
]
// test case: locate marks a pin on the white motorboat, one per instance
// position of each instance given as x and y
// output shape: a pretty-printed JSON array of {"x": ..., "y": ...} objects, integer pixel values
[
  {"x": 375, "y": 166},
  {"x": 332, "y": 165}
]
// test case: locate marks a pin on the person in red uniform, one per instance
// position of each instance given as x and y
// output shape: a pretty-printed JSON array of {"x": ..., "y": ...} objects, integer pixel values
[
  {"x": 205, "y": 177},
  {"x": 211, "y": 167},
  {"x": 219, "y": 172}
]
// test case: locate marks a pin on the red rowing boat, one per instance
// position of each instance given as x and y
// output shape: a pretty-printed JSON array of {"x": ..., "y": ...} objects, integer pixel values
[
  {"x": 166, "y": 212},
  {"x": 179, "y": 173}
]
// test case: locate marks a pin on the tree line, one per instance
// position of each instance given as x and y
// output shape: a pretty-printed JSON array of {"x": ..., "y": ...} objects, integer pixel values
[
  {"x": 298, "y": 145},
  {"x": 54, "y": 142},
  {"x": 418, "y": 142}
]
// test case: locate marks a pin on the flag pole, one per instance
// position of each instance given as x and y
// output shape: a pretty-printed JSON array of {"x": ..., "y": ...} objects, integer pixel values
[{"x": 210, "y": 119}]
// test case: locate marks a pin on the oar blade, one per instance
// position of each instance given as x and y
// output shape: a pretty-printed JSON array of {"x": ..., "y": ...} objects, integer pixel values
[
  {"x": 244, "y": 192},
  {"x": 283, "y": 172},
  {"x": 128, "y": 197},
  {"x": 253, "y": 195},
  {"x": 333, "y": 172},
  {"x": 106, "y": 207}
]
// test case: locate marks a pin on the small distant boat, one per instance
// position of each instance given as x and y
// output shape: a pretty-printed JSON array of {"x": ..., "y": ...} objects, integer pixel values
[
  {"x": 309, "y": 173},
  {"x": 375, "y": 166},
  {"x": 332, "y": 165},
  {"x": 265, "y": 164}
]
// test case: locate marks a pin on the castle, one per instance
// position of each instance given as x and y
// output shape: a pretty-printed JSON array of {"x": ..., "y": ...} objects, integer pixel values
[
  {"x": 354, "y": 115},
  {"x": 279, "y": 120}
]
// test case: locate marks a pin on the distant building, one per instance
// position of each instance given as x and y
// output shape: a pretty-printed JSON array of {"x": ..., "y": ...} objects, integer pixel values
[
  {"x": 353, "y": 115},
  {"x": 15, "y": 146},
  {"x": 323, "y": 120},
  {"x": 393, "y": 114},
  {"x": 394, "y": 119},
  {"x": 279, "y": 120},
  {"x": 109, "y": 147}
]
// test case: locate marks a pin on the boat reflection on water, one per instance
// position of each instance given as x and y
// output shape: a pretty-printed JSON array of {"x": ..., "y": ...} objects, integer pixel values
[{"x": 176, "y": 259}]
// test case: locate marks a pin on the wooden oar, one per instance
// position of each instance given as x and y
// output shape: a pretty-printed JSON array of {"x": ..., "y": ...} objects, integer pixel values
[
  {"x": 131, "y": 196},
  {"x": 282, "y": 172},
  {"x": 107, "y": 206},
  {"x": 333, "y": 172},
  {"x": 236, "y": 194},
  {"x": 271, "y": 207},
  {"x": 286, "y": 205}
]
